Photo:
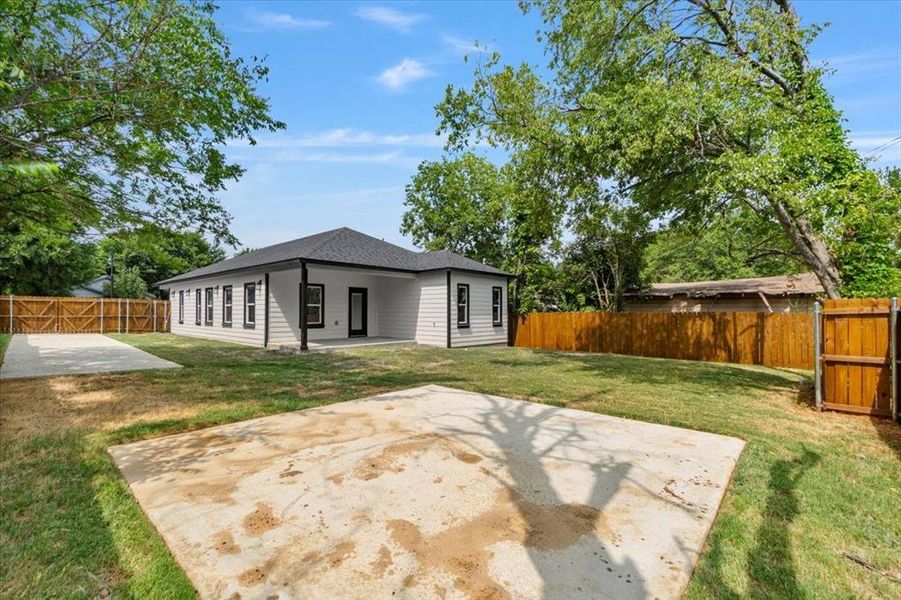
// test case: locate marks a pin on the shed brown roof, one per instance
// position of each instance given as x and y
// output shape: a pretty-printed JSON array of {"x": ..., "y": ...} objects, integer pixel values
[{"x": 780, "y": 285}]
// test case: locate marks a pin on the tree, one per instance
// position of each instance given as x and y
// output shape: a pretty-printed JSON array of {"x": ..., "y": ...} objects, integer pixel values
[
  {"x": 114, "y": 113},
  {"x": 731, "y": 245},
  {"x": 690, "y": 108},
  {"x": 39, "y": 261},
  {"x": 466, "y": 204},
  {"x": 605, "y": 257},
  {"x": 128, "y": 283},
  {"x": 460, "y": 205},
  {"x": 156, "y": 254}
]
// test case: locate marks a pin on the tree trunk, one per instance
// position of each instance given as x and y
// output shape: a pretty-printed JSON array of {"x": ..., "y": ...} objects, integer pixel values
[{"x": 812, "y": 249}]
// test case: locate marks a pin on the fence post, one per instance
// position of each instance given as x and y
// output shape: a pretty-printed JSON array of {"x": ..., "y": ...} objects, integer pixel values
[
  {"x": 154, "y": 316},
  {"x": 10, "y": 314},
  {"x": 893, "y": 340},
  {"x": 127, "y": 313},
  {"x": 119, "y": 315},
  {"x": 101, "y": 314},
  {"x": 817, "y": 375}
]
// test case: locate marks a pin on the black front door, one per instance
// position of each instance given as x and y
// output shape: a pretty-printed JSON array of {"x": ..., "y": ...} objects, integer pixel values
[{"x": 357, "y": 301}]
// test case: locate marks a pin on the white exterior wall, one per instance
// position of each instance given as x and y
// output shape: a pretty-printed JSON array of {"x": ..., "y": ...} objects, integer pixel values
[
  {"x": 481, "y": 329},
  {"x": 237, "y": 332},
  {"x": 431, "y": 314},
  {"x": 400, "y": 305}
]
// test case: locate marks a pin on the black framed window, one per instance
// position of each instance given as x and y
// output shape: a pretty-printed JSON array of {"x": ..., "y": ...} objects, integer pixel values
[
  {"x": 208, "y": 305},
  {"x": 226, "y": 306},
  {"x": 497, "y": 302},
  {"x": 181, "y": 307},
  {"x": 462, "y": 305},
  {"x": 250, "y": 305},
  {"x": 198, "y": 306},
  {"x": 315, "y": 306}
]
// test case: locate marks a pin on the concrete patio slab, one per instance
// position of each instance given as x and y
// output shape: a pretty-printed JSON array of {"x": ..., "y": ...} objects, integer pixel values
[
  {"x": 433, "y": 492},
  {"x": 44, "y": 354}
]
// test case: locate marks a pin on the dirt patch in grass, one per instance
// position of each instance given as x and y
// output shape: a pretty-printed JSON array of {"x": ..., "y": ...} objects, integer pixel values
[{"x": 98, "y": 403}]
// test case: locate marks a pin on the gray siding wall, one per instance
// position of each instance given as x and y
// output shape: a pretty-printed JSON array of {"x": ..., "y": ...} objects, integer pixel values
[
  {"x": 481, "y": 329},
  {"x": 237, "y": 332},
  {"x": 399, "y": 306},
  {"x": 404, "y": 307},
  {"x": 431, "y": 314}
]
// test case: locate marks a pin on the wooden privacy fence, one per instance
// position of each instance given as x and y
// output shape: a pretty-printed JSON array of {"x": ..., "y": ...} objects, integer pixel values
[
  {"x": 50, "y": 314},
  {"x": 858, "y": 367},
  {"x": 775, "y": 340}
]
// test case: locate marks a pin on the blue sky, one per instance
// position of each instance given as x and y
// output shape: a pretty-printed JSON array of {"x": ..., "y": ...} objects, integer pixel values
[{"x": 357, "y": 83}]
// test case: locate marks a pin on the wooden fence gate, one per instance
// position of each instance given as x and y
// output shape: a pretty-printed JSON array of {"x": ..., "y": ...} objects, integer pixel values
[
  {"x": 50, "y": 314},
  {"x": 857, "y": 367}
]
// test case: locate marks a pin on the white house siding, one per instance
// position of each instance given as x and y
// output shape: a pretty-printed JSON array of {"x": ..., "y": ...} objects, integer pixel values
[
  {"x": 481, "y": 329},
  {"x": 237, "y": 332},
  {"x": 284, "y": 302},
  {"x": 431, "y": 314},
  {"x": 399, "y": 306}
]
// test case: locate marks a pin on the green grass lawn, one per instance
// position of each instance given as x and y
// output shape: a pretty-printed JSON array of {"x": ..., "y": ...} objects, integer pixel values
[
  {"x": 813, "y": 510},
  {"x": 4, "y": 342}
]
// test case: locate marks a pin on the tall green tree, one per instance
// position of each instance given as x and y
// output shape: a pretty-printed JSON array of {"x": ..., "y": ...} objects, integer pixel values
[
  {"x": 114, "y": 114},
  {"x": 156, "y": 254},
  {"x": 127, "y": 283},
  {"x": 605, "y": 256},
  {"x": 690, "y": 108},
  {"x": 466, "y": 204},
  {"x": 40, "y": 261},
  {"x": 731, "y": 245}
]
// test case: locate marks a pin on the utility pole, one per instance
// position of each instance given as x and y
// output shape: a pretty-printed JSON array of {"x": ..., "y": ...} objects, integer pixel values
[{"x": 112, "y": 275}]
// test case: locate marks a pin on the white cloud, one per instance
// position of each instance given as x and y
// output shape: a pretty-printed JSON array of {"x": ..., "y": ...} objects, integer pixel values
[
  {"x": 389, "y": 17},
  {"x": 283, "y": 21},
  {"x": 463, "y": 47},
  {"x": 862, "y": 62},
  {"x": 294, "y": 155},
  {"x": 883, "y": 147},
  {"x": 347, "y": 137},
  {"x": 402, "y": 74}
]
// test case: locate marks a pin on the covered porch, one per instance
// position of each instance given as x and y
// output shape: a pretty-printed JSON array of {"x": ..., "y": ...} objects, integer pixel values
[{"x": 345, "y": 307}]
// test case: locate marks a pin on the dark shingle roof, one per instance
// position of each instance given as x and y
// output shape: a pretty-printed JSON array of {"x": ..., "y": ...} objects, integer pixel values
[{"x": 346, "y": 247}]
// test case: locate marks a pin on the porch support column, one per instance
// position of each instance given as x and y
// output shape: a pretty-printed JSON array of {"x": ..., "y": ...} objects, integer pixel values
[{"x": 303, "y": 307}]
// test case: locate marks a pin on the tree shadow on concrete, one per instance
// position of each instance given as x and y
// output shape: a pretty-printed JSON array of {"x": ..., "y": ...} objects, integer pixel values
[{"x": 568, "y": 541}]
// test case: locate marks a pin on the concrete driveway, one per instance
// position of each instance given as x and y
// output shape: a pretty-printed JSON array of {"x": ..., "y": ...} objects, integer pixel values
[
  {"x": 433, "y": 493},
  {"x": 43, "y": 354}
]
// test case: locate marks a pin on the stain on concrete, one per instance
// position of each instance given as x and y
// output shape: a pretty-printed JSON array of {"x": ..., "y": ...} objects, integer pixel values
[
  {"x": 381, "y": 564},
  {"x": 224, "y": 543},
  {"x": 389, "y": 459},
  {"x": 260, "y": 521},
  {"x": 463, "y": 550}
]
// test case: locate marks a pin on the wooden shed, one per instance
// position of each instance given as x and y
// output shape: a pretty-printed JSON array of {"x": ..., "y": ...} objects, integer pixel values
[{"x": 783, "y": 293}]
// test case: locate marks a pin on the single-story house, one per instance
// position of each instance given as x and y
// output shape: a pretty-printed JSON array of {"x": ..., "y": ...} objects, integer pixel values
[
  {"x": 95, "y": 288},
  {"x": 783, "y": 293},
  {"x": 352, "y": 285}
]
